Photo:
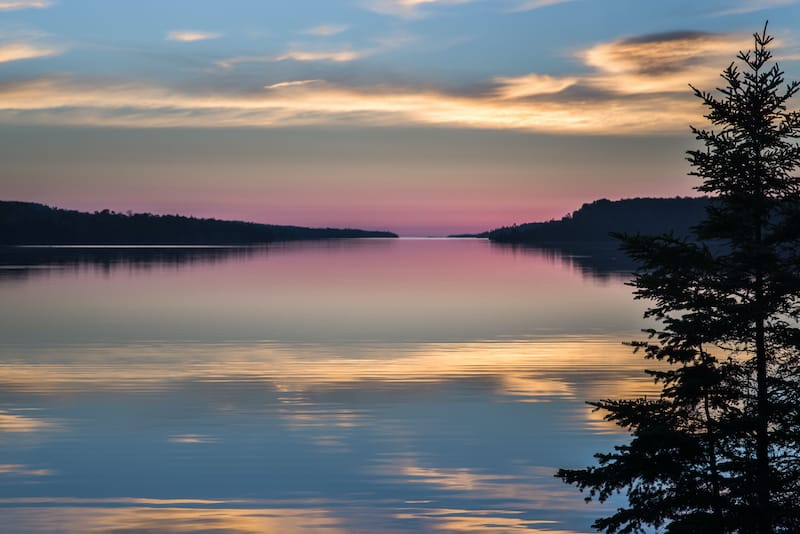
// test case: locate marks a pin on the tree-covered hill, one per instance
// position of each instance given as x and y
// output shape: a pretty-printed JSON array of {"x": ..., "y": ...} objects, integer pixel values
[
  {"x": 28, "y": 223},
  {"x": 594, "y": 222}
]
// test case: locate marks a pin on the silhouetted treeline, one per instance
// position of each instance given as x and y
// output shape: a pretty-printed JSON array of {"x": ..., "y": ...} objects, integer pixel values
[
  {"x": 28, "y": 223},
  {"x": 594, "y": 222}
]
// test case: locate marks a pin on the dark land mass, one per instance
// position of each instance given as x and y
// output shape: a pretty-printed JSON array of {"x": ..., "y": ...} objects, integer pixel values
[
  {"x": 28, "y": 223},
  {"x": 483, "y": 235},
  {"x": 585, "y": 239},
  {"x": 595, "y": 222}
]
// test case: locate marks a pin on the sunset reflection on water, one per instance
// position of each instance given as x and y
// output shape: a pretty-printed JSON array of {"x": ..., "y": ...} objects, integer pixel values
[{"x": 445, "y": 403}]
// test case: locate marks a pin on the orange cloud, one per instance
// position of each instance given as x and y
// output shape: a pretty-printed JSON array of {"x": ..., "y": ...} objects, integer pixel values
[
  {"x": 662, "y": 62},
  {"x": 24, "y": 4},
  {"x": 407, "y": 8},
  {"x": 18, "y": 51},
  {"x": 530, "y": 5},
  {"x": 751, "y": 6},
  {"x": 337, "y": 56},
  {"x": 327, "y": 30},
  {"x": 333, "y": 56},
  {"x": 293, "y": 83},
  {"x": 188, "y": 36},
  {"x": 531, "y": 85},
  {"x": 637, "y": 85},
  {"x": 47, "y": 100}
]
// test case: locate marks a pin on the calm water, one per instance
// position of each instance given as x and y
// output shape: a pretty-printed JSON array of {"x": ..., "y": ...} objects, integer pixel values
[{"x": 354, "y": 386}]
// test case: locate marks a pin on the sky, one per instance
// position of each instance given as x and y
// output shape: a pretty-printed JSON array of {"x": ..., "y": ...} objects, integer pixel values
[{"x": 425, "y": 117}]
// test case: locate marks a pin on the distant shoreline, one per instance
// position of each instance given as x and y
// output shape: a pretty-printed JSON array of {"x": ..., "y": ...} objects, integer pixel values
[
  {"x": 596, "y": 222},
  {"x": 33, "y": 224}
]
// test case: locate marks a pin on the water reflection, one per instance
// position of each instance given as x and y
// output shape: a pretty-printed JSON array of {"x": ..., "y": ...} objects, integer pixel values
[
  {"x": 602, "y": 261},
  {"x": 15, "y": 422},
  {"x": 107, "y": 520},
  {"x": 119, "y": 520},
  {"x": 24, "y": 262},
  {"x": 19, "y": 263},
  {"x": 520, "y": 371},
  {"x": 598, "y": 260},
  {"x": 385, "y": 290},
  {"x": 431, "y": 437},
  {"x": 406, "y": 386}
]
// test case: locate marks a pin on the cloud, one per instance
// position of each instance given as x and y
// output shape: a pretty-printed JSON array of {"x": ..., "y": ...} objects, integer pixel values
[
  {"x": 336, "y": 56},
  {"x": 137, "y": 105},
  {"x": 531, "y": 85},
  {"x": 188, "y": 36},
  {"x": 530, "y": 5},
  {"x": 229, "y": 63},
  {"x": 407, "y": 8},
  {"x": 634, "y": 85},
  {"x": 24, "y": 4},
  {"x": 304, "y": 54},
  {"x": 293, "y": 83},
  {"x": 330, "y": 56},
  {"x": 751, "y": 6},
  {"x": 18, "y": 51},
  {"x": 663, "y": 62},
  {"x": 326, "y": 30}
]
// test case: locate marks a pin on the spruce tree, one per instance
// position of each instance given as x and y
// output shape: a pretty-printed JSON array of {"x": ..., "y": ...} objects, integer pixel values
[{"x": 718, "y": 450}]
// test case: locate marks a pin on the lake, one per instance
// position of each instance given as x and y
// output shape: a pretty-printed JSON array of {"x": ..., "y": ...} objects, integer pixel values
[{"x": 386, "y": 385}]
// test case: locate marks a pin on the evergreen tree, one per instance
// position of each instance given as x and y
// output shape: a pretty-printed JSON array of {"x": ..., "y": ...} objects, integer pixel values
[{"x": 719, "y": 449}]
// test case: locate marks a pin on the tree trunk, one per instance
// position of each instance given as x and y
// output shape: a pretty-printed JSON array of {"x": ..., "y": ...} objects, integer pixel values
[
  {"x": 762, "y": 430},
  {"x": 712, "y": 456}
]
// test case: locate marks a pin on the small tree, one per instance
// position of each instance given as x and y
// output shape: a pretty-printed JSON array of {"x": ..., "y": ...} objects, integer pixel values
[{"x": 719, "y": 449}]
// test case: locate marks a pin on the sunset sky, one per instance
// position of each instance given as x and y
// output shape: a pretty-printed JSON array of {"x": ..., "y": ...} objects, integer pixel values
[{"x": 425, "y": 117}]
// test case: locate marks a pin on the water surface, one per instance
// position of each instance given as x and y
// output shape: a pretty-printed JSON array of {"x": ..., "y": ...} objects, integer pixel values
[{"x": 342, "y": 386}]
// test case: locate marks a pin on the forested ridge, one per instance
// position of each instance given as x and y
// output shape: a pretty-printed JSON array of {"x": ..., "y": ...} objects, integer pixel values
[
  {"x": 596, "y": 221},
  {"x": 29, "y": 223}
]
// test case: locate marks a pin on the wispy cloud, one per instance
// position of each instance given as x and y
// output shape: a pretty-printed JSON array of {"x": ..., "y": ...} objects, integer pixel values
[
  {"x": 332, "y": 56},
  {"x": 19, "y": 51},
  {"x": 407, "y": 8},
  {"x": 664, "y": 62},
  {"x": 531, "y": 85},
  {"x": 751, "y": 6},
  {"x": 327, "y": 30},
  {"x": 293, "y": 83},
  {"x": 64, "y": 101},
  {"x": 530, "y": 5},
  {"x": 336, "y": 56},
  {"x": 11, "y": 5},
  {"x": 188, "y": 36},
  {"x": 634, "y": 85}
]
